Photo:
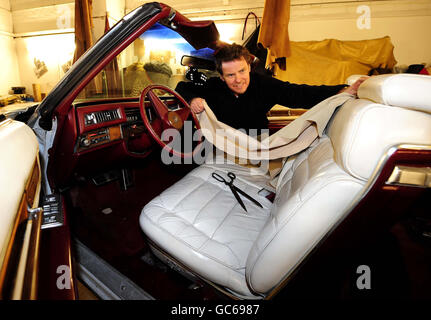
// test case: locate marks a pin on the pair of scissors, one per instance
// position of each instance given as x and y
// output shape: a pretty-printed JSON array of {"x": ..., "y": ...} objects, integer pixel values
[{"x": 235, "y": 190}]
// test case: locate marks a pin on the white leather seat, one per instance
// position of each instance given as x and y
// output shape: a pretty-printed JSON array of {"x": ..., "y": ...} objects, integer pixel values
[{"x": 199, "y": 223}]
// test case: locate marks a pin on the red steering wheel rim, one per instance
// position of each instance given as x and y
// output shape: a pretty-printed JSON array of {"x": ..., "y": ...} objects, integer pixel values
[{"x": 166, "y": 116}]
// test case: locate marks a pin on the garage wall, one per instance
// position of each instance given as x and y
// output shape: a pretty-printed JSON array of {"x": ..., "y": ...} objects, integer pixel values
[
  {"x": 8, "y": 60},
  {"x": 50, "y": 22},
  {"x": 44, "y": 37},
  {"x": 44, "y": 40}
]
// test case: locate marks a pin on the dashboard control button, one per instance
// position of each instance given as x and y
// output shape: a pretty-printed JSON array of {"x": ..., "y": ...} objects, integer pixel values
[{"x": 85, "y": 142}]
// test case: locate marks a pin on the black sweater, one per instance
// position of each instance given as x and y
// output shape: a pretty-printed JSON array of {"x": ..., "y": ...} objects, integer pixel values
[{"x": 248, "y": 110}]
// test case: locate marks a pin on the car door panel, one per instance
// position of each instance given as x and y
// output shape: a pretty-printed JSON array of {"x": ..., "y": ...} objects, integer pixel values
[{"x": 21, "y": 220}]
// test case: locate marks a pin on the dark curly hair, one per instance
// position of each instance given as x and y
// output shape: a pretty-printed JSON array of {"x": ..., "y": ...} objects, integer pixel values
[{"x": 231, "y": 52}]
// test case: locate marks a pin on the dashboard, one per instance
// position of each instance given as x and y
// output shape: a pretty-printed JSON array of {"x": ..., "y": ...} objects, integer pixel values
[
  {"x": 100, "y": 123},
  {"x": 103, "y": 134},
  {"x": 105, "y": 123}
]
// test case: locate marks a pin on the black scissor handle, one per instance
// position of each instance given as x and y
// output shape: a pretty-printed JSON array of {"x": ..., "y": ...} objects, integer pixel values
[
  {"x": 218, "y": 177},
  {"x": 231, "y": 175}
]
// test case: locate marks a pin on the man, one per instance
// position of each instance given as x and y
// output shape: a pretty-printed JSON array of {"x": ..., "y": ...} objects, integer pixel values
[{"x": 242, "y": 99}]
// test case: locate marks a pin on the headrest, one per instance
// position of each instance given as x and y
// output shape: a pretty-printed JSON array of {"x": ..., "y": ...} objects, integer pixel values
[
  {"x": 405, "y": 90},
  {"x": 362, "y": 131}
]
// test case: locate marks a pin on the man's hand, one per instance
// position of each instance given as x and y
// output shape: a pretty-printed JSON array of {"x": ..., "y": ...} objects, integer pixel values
[
  {"x": 197, "y": 105},
  {"x": 353, "y": 89}
]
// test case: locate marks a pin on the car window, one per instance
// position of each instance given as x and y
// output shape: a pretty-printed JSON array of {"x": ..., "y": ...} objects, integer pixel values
[{"x": 153, "y": 58}]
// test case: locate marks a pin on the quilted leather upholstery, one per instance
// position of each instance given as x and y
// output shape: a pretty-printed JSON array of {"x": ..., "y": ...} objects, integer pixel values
[
  {"x": 199, "y": 222},
  {"x": 312, "y": 196}
]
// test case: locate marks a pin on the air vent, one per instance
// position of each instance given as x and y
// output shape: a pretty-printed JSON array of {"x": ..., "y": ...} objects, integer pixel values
[
  {"x": 102, "y": 116},
  {"x": 108, "y": 115}
]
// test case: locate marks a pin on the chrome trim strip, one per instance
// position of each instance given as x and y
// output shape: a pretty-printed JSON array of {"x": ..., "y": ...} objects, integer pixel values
[{"x": 419, "y": 177}]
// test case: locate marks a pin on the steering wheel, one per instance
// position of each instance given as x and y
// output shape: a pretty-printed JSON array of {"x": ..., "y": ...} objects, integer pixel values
[{"x": 169, "y": 118}]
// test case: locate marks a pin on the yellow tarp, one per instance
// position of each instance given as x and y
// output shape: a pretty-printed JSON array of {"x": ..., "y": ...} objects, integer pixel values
[{"x": 331, "y": 61}]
